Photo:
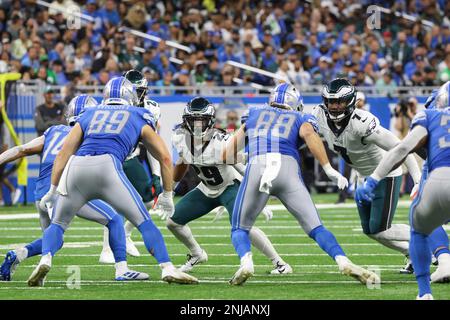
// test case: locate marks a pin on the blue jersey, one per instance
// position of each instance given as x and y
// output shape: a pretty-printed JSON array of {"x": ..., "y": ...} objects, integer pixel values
[
  {"x": 112, "y": 129},
  {"x": 437, "y": 123},
  {"x": 275, "y": 130},
  {"x": 54, "y": 139}
]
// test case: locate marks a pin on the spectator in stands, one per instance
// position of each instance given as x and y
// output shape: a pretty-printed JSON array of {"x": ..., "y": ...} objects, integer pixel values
[
  {"x": 49, "y": 113},
  {"x": 232, "y": 121}
]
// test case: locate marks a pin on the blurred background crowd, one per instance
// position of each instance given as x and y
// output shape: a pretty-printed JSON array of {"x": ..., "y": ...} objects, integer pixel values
[{"x": 308, "y": 42}]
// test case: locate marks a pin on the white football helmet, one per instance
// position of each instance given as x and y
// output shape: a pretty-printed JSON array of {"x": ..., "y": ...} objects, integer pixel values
[{"x": 120, "y": 90}]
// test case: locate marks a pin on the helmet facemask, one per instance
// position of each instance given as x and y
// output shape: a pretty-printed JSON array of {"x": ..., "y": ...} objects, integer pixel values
[
  {"x": 197, "y": 124},
  {"x": 339, "y": 99}
]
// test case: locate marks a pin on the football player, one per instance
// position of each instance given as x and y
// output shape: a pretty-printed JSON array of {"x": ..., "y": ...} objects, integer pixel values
[
  {"x": 431, "y": 208},
  {"x": 275, "y": 133},
  {"x": 199, "y": 145},
  {"x": 48, "y": 146},
  {"x": 357, "y": 136},
  {"x": 147, "y": 188},
  {"x": 89, "y": 166}
]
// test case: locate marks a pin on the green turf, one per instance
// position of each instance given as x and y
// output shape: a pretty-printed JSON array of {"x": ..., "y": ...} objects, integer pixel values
[{"x": 315, "y": 274}]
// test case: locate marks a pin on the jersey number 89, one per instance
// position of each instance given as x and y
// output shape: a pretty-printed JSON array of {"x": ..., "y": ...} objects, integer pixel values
[{"x": 105, "y": 121}]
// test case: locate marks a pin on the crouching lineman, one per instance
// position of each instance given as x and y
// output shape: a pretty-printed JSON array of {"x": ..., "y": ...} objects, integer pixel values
[
  {"x": 431, "y": 208},
  {"x": 48, "y": 147},
  {"x": 356, "y": 135},
  {"x": 200, "y": 145},
  {"x": 275, "y": 133},
  {"x": 89, "y": 166}
]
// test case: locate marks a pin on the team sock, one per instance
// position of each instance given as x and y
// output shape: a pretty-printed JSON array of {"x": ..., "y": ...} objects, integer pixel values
[
  {"x": 241, "y": 241},
  {"x": 421, "y": 258},
  {"x": 438, "y": 241},
  {"x": 52, "y": 240},
  {"x": 326, "y": 241},
  {"x": 262, "y": 243},
  {"x": 154, "y": 241},
  {"x": 34, "y": 248},
  {"x": 121, "y": 268},
  {"x": 117, "y": 238},
  {"x": 184, "y": 234}
]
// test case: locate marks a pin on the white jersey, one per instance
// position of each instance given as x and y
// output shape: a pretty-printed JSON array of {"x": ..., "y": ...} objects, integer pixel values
[
  {"x": 206, "y": 159},
  {"x": 348, "y": 141}
]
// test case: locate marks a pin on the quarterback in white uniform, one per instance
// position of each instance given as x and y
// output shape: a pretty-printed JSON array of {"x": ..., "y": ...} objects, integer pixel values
[
  {"x": 357, "y": 136},
  {"x": 200, "y": 145}
]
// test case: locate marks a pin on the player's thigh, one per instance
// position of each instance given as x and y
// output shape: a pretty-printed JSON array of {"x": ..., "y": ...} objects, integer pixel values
[
  {"x": 228, "y": 198},
  {"x": 121, "y": 195},
  {"x": 249, "y": 200},
  {"x": 294, "y": 195},
  {"x": 433, "y": 207},
  {"x": 97, "y": 211},
  {"x": 139, "y": 178},
  {"x": 193, "y": 205},
  {"x": 384, "y": 204}
]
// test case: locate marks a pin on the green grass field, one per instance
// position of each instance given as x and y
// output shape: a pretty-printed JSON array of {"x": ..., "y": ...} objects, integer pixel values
[{"x": 315, "y": 274}]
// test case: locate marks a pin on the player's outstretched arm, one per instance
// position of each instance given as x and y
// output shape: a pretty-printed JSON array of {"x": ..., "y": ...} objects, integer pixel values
[
  {"x": 386, "y": 140},
  {"x": 157, "y": 148},
  {"x": 415, "y": 139},
  {"x": 70, "y": 146},
  {"x": 315, "y": 145},
  {"x": 179, "y": 171},
  {"x": 35, "y": 146},
  {"x": 236, "y": 143}
]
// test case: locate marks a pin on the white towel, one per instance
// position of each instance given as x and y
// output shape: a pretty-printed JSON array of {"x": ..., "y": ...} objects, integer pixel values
[
  {"x": 273, "y": 166},
  {"x": 62, "y": 186}
]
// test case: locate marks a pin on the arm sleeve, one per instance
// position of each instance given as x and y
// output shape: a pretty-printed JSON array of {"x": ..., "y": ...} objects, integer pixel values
[{"x": 400, "y": 152}]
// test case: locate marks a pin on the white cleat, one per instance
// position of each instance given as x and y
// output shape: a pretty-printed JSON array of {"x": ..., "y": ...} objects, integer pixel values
[
  {"x": 193, "y": 260},
  {"x": 107, "y": 256},
  {"x": 244, "y": 272},
  {"x": 131, "y": 248},
  {"x": 131, "y": 275},
  {"x": 427, "y": 296},
  {"x": 362, "y": 275},
  {"x": 38, "y": 276},
  {"x": 441, "y": 275},
  {"x": 173, "y": 275},
  {"x": 282, "y": 268}
]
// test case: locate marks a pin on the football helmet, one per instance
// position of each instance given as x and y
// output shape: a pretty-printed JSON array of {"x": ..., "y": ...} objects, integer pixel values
[
  {"x": 139, "y": 82},
  {"x": 286, "y": 96},
  {"x": 199, "y": 116},
  {"x": 339, "y": 98},
  {"x": 76, "y": 107},
  {"x": 442, "y": 100},
  {"x": 120, "y": 90}
]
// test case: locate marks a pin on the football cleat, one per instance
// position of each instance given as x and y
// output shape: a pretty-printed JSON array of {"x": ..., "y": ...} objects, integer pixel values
[
  {"x": 131, "y": 248},
  {"x": 132, "y": 275},
  {"x": 106, "y": 256},
  {"x": 38, "y": 276},
  {"x": 193, "y": 260},
  {"x": 427, "y": 296},
  {"x": 408, "y": 268},
  {"x": 173, "y": 275},
  {"x": 244, "y": 272},
  {"x": 16, "y": 196},
  {"x": 362, "y": 275},
  {"x": 442, "y": 273},
  {"x": 8, "y": 266},
  {"x": 281, "y": 268}
]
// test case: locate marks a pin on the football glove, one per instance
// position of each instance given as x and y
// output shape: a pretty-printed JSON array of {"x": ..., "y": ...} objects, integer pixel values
[
  {"x": 268, "y": 214},
  {"x": 335, "y": 176},
  {"x": 49, "y": 199},
  {"x": 165, "y": 205},
  {"x": 219, "y": 213},
  {"x": 365, "y": 193}
]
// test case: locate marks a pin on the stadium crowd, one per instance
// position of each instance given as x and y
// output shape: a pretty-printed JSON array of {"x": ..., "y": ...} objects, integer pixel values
[{"x": 309, "y": 42}]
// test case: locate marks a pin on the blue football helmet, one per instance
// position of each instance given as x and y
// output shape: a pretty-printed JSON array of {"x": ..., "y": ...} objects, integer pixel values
[
  {"x": 120, "y": 90},
  {"x": 76, "y": 107},
  {"x": 442, "y": 100},
  {"x": 286, "y": 96}
]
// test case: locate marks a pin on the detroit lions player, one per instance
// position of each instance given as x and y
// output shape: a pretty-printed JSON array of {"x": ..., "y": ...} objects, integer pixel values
[
  {"x": 199, "y": 145},
  {"x": 89, "y": 166},
  {"x": 275, "y": 132},
  {"x": 357, "y": 136},
  {"x": 431, "y": 208},
  {"x": 48, "y": 146}
]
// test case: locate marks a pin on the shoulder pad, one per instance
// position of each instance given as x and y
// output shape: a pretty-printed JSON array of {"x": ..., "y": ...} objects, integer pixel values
[{"x": 364, "y": 122}]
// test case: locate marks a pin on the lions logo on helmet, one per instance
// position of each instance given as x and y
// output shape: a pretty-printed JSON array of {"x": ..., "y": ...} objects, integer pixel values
[
  {"x": 199, "y": 116},
  {"x": 140, "y": 83},
  {"x": 76, "y": 107},
  {"x": 442, "y": 99},
  {"x": 339, "y": 98},
  {"x": 286, "y": 96},
  {"x": 121, "y": 91}
]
